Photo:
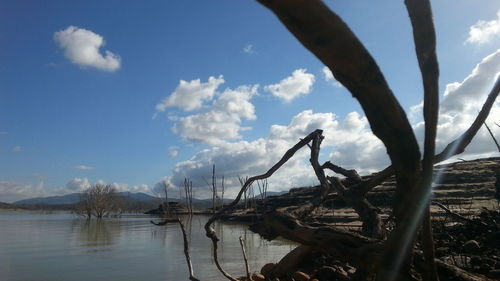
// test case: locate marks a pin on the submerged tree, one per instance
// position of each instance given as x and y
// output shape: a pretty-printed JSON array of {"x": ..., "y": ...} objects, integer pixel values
[
  {"x": 99, "y": 201},
  {"x": 377, "y": 255}
]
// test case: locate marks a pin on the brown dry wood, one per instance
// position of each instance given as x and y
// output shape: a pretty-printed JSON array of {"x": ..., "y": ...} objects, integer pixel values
[
  {"x": 325, "y": 34},
  {"x": 372, "y": 222},
  {"x": 210, "y": 232},
  {"x": 416, "y": 204},
  {"x": 344, "y": 245},
  {"x": 449, "y": 272},
  {"x": 350, "y": 174},
  {"x": 290, "y": 262}
]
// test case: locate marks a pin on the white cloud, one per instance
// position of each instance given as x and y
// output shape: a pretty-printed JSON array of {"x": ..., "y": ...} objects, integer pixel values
[
  {"x": 173, "y": 151},
  {"x": 348, "y": 142},
  {"x": 16, "y": 148},
  {"x": 77, "y": 185},
  {"x": 466, "y": 95},
  {"x": 245, "y": 158},
  {"x": 3, "y": 133},
  {"x": 483, "y": 31},
  {"x": 223, "y": 121},
  {"x": 460, "y": 106},
  {"x": 249, "y": 49},
  {"x": 83, "y": 168},
  {"x": 300, "y": 83},
  {"x": 14, "y": 191},
  {"x": 191, "y": 95},
  {"x": 82, "y": 47},
  {"x": 328, "y": 75}
]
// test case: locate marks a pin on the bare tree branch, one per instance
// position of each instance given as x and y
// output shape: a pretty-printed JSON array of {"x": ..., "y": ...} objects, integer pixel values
[
  {"x": 425, "y": 46},
  {"x": 210, "y": 232},
  {"x": 492, "y": 136},
  {"x": 247, "y": 268},
  {"x": 458, "y": 145},
  {"x": 350, "y": 174},
  {"x": 186, "y": 244},
  {"x": 325, "y": 34}
]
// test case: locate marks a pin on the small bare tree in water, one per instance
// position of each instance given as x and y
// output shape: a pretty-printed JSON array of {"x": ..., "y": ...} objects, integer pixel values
[{"x": 99, "y": 201}]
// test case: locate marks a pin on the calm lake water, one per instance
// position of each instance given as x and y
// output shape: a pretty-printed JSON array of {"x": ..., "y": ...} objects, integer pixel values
[{"x": 52, "y": 247}]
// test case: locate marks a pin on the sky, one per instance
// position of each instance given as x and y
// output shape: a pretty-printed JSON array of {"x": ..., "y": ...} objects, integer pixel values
[{"x": 132, "y": 93}]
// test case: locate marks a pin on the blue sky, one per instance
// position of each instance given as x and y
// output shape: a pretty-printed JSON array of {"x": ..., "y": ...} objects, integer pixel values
[{"x": 91, "y": 91}]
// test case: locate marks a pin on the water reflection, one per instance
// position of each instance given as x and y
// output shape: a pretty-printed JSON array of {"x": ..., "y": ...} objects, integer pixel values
[
  {"x": 96, "y": 233},
  {"x": 60, "y": 247}
]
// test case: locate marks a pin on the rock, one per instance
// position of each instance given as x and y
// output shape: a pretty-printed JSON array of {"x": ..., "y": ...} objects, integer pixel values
[
  {"x": 258, "y": 277},
  {"x": 471, "y": 247},
  {"x": 267, "y": 268},
  {"x": 300, "y": 276},
  {"x": 327, "y": 273}
]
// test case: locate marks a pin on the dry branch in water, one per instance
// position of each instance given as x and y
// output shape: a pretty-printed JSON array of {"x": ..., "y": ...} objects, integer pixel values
[
  {"x": 324, "y": 33},
  {"x": 186, "y": 244}
]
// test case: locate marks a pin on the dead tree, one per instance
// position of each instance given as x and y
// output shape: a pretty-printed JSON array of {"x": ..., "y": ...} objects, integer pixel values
[
  {"x": 188, "y": 190},
  {"x": 99, "y": 201},
  {"x": 377, "y": 255}
]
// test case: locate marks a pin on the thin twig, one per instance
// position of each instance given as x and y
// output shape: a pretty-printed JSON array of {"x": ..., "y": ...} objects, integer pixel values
[
  {"x": 247, "y": 268},
  {"x": 492, "y": 136},
  {"x": 186, "y": 244},
  {"x": 186, "y": 252},
  {"x": 210, "y": 232}
]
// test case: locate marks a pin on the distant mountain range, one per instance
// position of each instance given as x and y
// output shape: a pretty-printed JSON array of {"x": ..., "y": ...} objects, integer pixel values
[
  {"x": 131, "y": 198},
  {"x": 74, "y": 198}
]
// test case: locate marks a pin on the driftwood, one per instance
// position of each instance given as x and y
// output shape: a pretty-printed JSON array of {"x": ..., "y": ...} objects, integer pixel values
[
  {"x": 290, "y": 262},
  {"x": 324, "y": 33},
  {"x": 340, "y": 243}
]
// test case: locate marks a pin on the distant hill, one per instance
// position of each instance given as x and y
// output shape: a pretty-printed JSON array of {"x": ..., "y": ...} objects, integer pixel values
[
  {"x": 74, "y": 198},
  {"x": 7, "y": 206},
  {"x": 52, "y": 200}
]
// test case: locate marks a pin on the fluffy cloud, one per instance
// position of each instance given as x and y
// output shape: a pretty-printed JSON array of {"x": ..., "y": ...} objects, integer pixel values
[
  {"x": 245, "y": 158},
  {"x": 82, "y": 47},
  {"x": 348, "y": 142},
  {"x": 77, "y": 185},
  {"x": 81, "y": 184},
  {"x": 483, "y": 31},
  {"x": 14, "y": 191},
  {"x": 223, "y": 121},
  {"x": 191, "y": 95},
  {"x": 83, "y": 168},
  {"x": 300, "y": 83},
  {"x": 460, "y": 106},
  {"x": 16, "y": 148},
  {"x": 328, "y": 75}
]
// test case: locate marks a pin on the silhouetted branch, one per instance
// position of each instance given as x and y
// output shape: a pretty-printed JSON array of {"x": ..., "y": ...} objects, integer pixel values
[
  {"x": 350, "y": 174},
  {"x": 425, "y": 46},
  {"x": 492, "y": 136},
  {"x": 458, "y": 145},
  {"x": 210, "y": 232},
  {"x": 325, "y": 34}
]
